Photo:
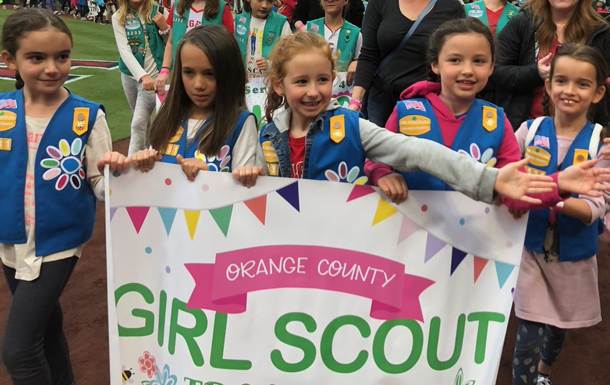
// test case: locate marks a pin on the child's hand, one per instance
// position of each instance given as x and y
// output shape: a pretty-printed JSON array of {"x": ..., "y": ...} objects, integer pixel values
[
  {"x": 144, "y": 160},
  {"x": 247, "y": 175},
  {"x": 517, "y": 214},
  {"x": 159, "y": 19},
  {"x": 351, "y": 72},
  {"x": 515, "y": 184},
  {"x": 394, "y": 187},
  {"x": 584, "y": 179},
  {"x": 544, "y": 66},
  {"x": 191, "y": 166},
  {"x": 160, "y": 83},
  {"x": 148, "y": 83},
  {"x": 262, "y": 64},
  {"x": 116, "y": 161}
]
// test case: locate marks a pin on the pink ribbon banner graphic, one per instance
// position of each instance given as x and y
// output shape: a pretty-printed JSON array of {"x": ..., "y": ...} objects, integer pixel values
[{"x": 223, "y": 286}]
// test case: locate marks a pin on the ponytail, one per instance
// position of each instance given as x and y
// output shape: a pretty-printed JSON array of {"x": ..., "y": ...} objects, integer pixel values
[{"x": 18, "y": 81}]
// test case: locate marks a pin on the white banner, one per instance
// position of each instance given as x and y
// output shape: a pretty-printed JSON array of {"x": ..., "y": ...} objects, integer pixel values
[{"x": 303, "y": 282}]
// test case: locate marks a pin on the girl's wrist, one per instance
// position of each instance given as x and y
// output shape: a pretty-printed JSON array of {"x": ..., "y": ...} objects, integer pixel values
[
  {"x": 356, "y": 102},
  {"x": 164, "y": 72}
]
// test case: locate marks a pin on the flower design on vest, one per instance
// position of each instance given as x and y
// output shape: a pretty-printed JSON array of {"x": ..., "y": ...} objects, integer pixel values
[
  {"x": 65, "y": 163},
  {"x": 223, "y": 156},
  {"x": 475, "y": 153},
  {"x": 343, "y": 175}
]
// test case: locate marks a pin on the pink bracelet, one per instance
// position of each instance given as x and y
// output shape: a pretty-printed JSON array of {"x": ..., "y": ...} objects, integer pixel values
[
  {"x": 356, "y": 103},
  {"x": 164, "y": 72},
  {"x": 302, "y": 26}
]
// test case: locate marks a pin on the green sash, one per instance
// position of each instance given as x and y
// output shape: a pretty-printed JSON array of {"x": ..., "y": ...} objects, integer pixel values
[
  {"x": 346, "y": 42},
  {"x": 479, "y": 11},
  {"x": 271, "y": 34},
  {"x": 180, "y": 24},
  {"x": 136, "y": 38}
]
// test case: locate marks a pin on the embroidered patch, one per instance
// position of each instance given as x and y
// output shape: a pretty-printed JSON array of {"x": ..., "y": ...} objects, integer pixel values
[
  {"x": 490, "y": 118},
  {"x": 80, "y": 123},
  {"x": 177, "y": 135},
  {"x": 475, "y": 6},
  {"x": 223, "y": 157},
  {"x": 269, "y": 153},
  {"x": 343, "y": 175},
  {"x": 510, "y": 14},
  {"x": 542, "y": 141},
  {"x": 580, "y": 156},
  {"x": 241, "y": 29},
  {"x": 8, "y": 103},
  {"x": 337, "y": 128},
  {"x": 414, "y": 105},
  {"x": 534, "y": 171},
  {"x": 8, "y": 120},
  {"x": 537, "y": 156},
  {"x": 6, "y": 144},
  {"x": 314, "y": 27},
  {"x": 475, "y": 153},
  {"x": 242, "y": 19},
  {"x": 273, "y": 169},
  {"x": 414, "y": 125},
  {"x": 475, "y": 13},
  {"x": 171, "y": 150},
  {"x": 65, "y": 163}
]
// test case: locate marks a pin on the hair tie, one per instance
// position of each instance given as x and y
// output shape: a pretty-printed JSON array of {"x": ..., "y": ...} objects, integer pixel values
[{"x": 608, "y": 81}]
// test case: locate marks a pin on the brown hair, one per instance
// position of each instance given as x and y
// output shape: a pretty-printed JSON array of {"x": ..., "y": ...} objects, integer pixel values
[
  {"x": 589, "y": 55},
  {"x": 222, "y": 51},
  {"x": 210, "y": 11},
  {"x": 19, "y": 24},
  {"x": 285, "y": 49},
  {"x": 144, "y": 11},
  {"x": 343, "y": 12},
  {"x": 580, "y": 27}
]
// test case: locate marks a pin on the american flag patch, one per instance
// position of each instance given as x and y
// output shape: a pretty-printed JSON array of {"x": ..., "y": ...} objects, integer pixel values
[
  {"x": 414, "y": 105},
  {"x": 542, "y": 141}
]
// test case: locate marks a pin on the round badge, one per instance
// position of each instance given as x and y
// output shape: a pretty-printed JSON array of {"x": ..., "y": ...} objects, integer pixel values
[
  {"x": 580, "y": 158},
  {"x": 337, "y": 125},
  {"x": 490, "y": 115},
  {"x": 80, "y": 117}
]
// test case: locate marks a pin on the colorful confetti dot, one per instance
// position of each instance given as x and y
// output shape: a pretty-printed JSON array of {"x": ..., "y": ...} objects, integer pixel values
[
  {"x": 168, "y": 181},
  {"x": 116, "y": 174},
  {"x": 148, "y": 250},
  {"x": 424, "y": 208},
  {"x": 487, "y": 210},
  {"x": 205, "y": 187},
  {"x": 168, "y": 270},
  {"x": 509, "y": 244},
  {"x": 462, "y": 221}
]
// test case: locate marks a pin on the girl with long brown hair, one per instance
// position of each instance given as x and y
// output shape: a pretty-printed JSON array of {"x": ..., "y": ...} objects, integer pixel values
[{"x": 203, "y": 123}]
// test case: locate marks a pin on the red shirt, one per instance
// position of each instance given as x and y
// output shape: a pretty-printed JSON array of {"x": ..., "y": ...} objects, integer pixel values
[
  {"x": 287, "y": 8},
  {"x": 227, "y": 18},
  {"x": 493, "y": 18},
  {"x": 536, "y": 110},
  {"x": 297, "y": 156}
]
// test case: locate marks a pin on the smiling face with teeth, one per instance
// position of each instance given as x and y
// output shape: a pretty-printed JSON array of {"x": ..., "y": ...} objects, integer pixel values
[
  {"x": 573, "y": 86},
  {"x": 464, "y": 66}
]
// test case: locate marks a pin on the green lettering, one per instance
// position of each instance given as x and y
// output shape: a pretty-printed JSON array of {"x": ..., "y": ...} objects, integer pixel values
[
  {"x": 192, "y": 381},
  {"x": 189, "y": 334},
  {"x": 326, "y": 345},
  {"x": 162, "y": 309},
  {"x": 433, "y": 344},
  {"x": 483, "y": 318},
  {"x": 255, "y": 90},
  {"x": 282, "y": 334},
  {"x": 379, "y": 346},
  {"x": 218, "y": 347},
  {"x": 148, "y": 316},
  {"x": 247, "y": 90}
]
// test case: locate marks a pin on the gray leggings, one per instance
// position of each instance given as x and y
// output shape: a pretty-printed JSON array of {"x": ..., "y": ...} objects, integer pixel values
[
  {"x": 142, "y": 104},
  {"x": 535, "y": 341}
]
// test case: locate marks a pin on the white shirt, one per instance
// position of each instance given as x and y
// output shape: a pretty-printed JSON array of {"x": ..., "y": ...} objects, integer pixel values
[
  {"x": 333, "y": 37},
  {"x": 254, "y": 45},
  {"x": 120, "y": 35}
]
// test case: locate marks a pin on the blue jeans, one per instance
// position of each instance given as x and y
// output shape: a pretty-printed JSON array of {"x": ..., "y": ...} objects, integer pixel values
[{"x": 374, "y": 111}]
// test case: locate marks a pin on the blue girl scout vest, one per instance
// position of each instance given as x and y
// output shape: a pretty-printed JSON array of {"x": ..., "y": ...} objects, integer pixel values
[
  {"x": 478, "y": 11},
  {"x": 273, "y": 30},
  {"x": 346, "y": 43},
  {"x": 137, "y": 38},
  {"x": 65, "y": 203},
  {"x": 480, "y": 135},
  {"x": 336, "y": 152},
  {"x": 577, "y": 241},
  {"x": 180, "y": 24},
  {"x": 221, "y": 162}
]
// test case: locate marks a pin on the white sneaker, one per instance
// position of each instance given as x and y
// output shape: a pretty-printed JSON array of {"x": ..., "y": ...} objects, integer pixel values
[{"x": 543, "y": 380}]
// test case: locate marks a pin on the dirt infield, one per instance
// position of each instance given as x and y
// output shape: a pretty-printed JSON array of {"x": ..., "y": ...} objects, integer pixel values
[{"x": 585, "y": 359}]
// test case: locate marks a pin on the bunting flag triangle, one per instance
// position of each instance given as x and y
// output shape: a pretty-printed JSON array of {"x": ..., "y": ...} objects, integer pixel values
[
  {"x": 503, "y": 270},
  {"x": 112, "y": 212},
  {"x": 167, "y": 216},
  {"x": 384, "y": 211},
  {"x": 137, "y": 215},
  {"x": 258, "y": 206},
  {"x": 457, "y": 256},
  {"x": 222, "y": 217},
  {"x": 192, "y": 219},
  {"x": 291, "y": 194},
  {"x": 359, "y": 191},
  {"x": 479, "y": 265},
  {"x": 433, "y": 246},
  {"x": 407, "y": 228}
]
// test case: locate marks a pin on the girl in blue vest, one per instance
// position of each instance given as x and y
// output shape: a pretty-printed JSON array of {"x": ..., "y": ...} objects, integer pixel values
[
  {"x": 204, "y": 124},
  {"x": 138, "y": 26},
  {"x": 49, "y": 191},
  {"x": 257, "y": 31},
  {"x": 185, "y": 15},
  {"x": 558, "y": 287},
  {"x": 315, "y": 138},
  {"x": 343, "y": 37}
]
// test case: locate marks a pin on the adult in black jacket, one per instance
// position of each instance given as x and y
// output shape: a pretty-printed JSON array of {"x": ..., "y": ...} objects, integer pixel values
[
  {"x": 307, "y": 10},
  {"x": 516, "y": 76}
]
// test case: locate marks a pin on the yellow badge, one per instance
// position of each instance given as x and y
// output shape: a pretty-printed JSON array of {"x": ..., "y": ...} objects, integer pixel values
[
  {"x": 177, "y": 135},
  {"x": 414, "y": 125},
  {"x": 490, "y": 118},
  {"x": 8, "y": 120},
  {"x": 273, "y": 169},
  {"x": 269, "y": 153},
  {"x": 5, "y": 144},
  {"x": 537, "y": 156},
  {"x": 580, "y": 156},
  {"x": 337, "y": 128},
  {"x": 534, "y": 171},
  {"x": 171, "y": 150},
  {"x": 80, "y": 124}
]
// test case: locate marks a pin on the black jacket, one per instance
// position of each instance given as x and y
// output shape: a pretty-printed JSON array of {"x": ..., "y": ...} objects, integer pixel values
[
  {"x": 307, "y": 10},
  {"x": 516, "y": 76}
]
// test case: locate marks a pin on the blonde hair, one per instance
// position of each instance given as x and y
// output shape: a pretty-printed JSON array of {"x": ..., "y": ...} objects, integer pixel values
[
  {"x": 286, "y": 49},
  {"x": 144, "y": 11},
  {"x": 580, "y": 27}
]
